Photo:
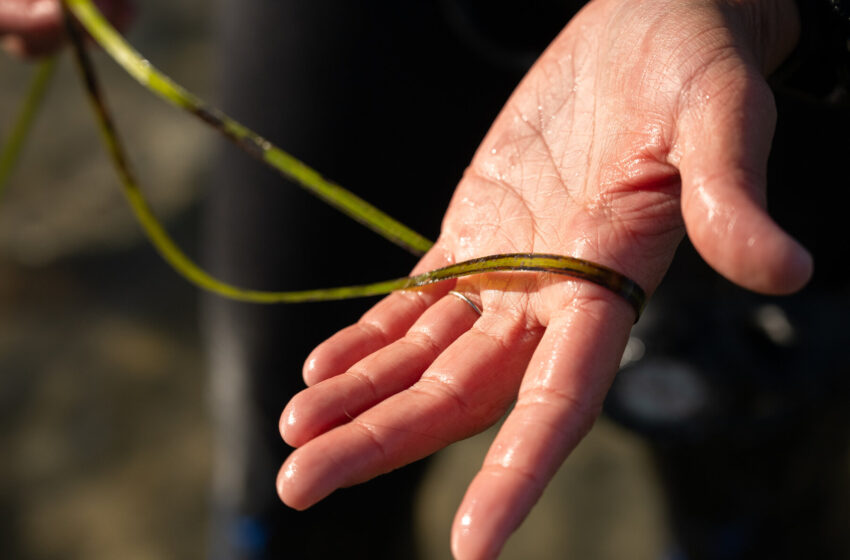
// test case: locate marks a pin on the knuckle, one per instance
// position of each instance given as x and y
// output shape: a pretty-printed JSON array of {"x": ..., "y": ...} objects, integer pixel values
[
  {"x": 364, "y": 379},
  {"x": 422, "y": 340}
]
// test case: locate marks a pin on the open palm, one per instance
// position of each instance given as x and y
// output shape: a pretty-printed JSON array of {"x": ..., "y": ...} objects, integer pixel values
[{"x": 641, "y": 122}]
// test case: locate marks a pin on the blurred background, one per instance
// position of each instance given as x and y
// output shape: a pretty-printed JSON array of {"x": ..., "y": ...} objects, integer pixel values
[
  {"x": 106, "y": 431},
  {"x": 105, "y": 439},
  {"x": 104, "y": 436}
]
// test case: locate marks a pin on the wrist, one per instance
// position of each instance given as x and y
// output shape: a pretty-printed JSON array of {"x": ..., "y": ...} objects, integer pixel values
[{"x": 766, "y": 32}]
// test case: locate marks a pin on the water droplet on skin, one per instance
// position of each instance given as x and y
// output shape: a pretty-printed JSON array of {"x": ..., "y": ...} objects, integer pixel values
[{"x": 290, "y": 471}]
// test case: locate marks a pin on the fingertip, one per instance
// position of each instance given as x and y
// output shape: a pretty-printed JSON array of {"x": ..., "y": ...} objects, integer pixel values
[
  {"x": 300, "y": 422},
  {"x": 336, "y": 354},
  {"x": 740, "y": 241},
  {"x": 484, "y": 520},
  {"x": 305, "y": 479},
  {"x": 727, "y": 223},
  {"x": 466, "y": 544},
  {"x": 286, "y": 489},
  {"x": 311, "y": 372},
  {"x": 788, "y": 271},
  {"x": 287, "y": 425},
  {"x": 329, "y": 359}
]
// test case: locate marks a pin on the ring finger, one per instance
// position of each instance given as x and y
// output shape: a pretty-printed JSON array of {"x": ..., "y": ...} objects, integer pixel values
[{"x": 387, "y": 371}]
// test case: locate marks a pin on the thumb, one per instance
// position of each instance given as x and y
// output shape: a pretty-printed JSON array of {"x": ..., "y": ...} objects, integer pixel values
[{"x": 725, "y": 134}]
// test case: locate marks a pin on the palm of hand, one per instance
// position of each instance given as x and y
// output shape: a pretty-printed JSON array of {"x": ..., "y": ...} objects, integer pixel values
[{"x": 592, "y": 157}]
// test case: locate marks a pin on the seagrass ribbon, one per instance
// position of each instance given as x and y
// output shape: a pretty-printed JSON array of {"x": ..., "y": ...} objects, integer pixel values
[{"x": 100, "y": 29}]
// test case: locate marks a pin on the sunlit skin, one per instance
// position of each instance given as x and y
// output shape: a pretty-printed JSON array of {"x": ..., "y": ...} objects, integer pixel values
[
  {"x": 32, "y": 28},
  {"x": 644, "y": 121}
]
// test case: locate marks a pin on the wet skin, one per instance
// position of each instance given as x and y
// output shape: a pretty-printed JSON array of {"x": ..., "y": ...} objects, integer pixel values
[{"x": 643, "y": 122}]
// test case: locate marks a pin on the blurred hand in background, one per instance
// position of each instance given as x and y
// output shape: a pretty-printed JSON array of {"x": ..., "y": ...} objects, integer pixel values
[{"x": 33, "y": 28}]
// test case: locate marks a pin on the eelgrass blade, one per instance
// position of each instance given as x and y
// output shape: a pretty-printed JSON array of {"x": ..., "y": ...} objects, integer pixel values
[
  {"x": 557, "y": 264},
  {"x": 254, "y": 144},
  {"x": 14, "y": 143}
]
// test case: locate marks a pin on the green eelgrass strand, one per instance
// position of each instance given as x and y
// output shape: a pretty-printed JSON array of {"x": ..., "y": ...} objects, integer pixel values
[
  {"x": 26, "y": 115},
  {"x": 568, "y": 266},
  {"x": 155, "y": 81}
]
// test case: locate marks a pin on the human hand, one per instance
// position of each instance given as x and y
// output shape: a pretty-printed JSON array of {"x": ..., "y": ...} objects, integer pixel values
[
  {"x": 643, "y": 121},
  {"x": 32, "y": 28}
]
